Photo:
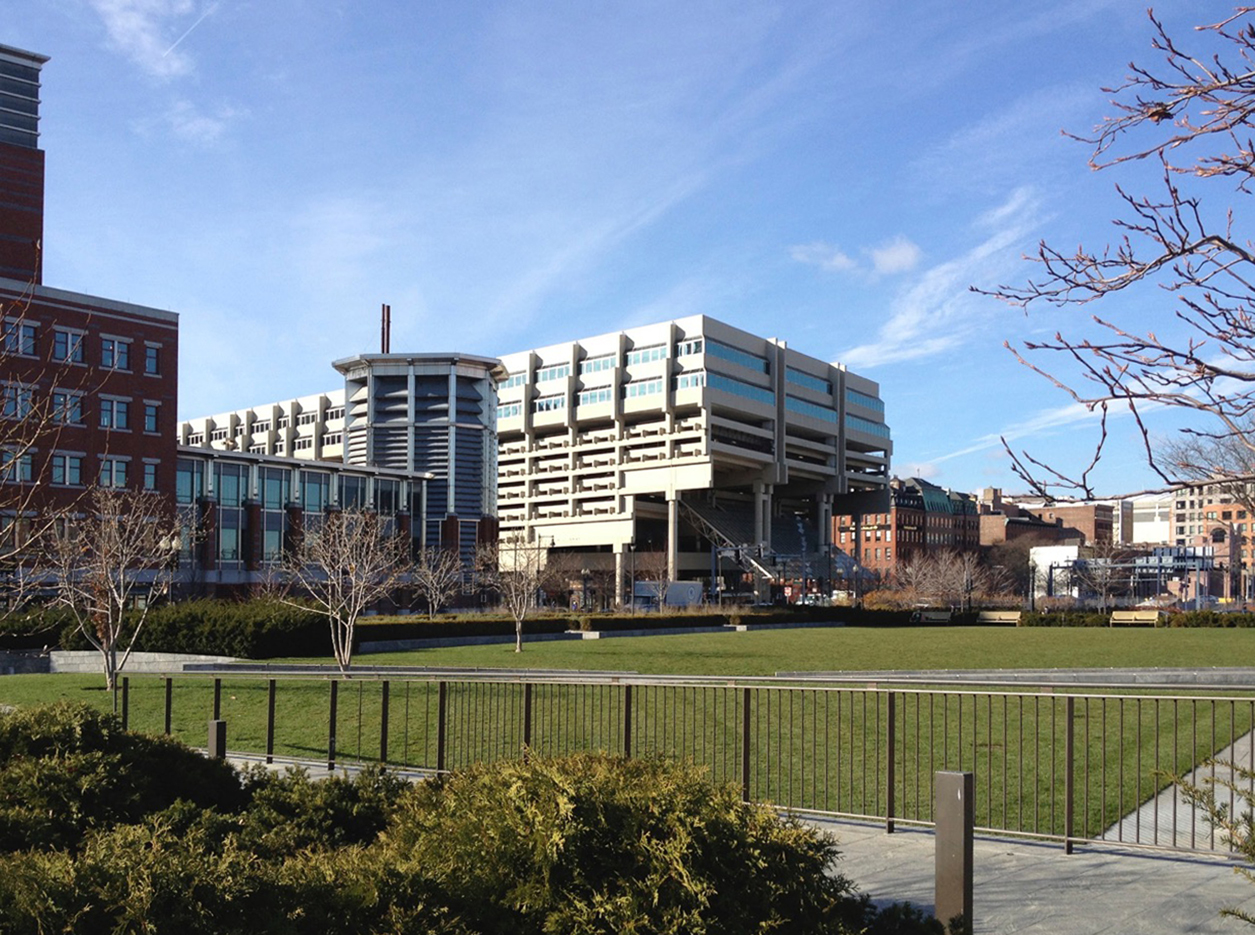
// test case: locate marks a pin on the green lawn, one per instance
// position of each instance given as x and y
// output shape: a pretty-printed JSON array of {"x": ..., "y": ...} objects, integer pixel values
[
  {"x": 820, "y": 749},
  {"x": 764, "y": 652}
]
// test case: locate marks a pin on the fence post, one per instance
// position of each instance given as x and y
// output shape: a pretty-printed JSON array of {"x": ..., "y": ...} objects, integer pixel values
[
  {"x": 383, "y": 723},
  {"x": 217, "y": 739},
  {"x": 1069, "y": 774},
  {"x": 126, "y": 702},
  {"x": 270, "y": 723},
  {"x": 527, "y": 719},
  {"x": 441, "y": 706},
  {"x": 745, "y": 744},
  {"x": 169, "y": 701},
  {"x": 627, "y": 720},
  {"x": 890, "y": 777},
  {"x": 955, "y": 805},
  {"x": 331, "y": 732},
  {"x": 217, "y": 699}
]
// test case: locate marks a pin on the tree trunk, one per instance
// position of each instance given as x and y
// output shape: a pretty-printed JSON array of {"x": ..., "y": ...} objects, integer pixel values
[{"x": 518, "y": 635}]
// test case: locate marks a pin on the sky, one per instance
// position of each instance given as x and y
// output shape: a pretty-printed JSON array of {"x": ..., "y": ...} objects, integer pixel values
[{"x": 509, "y": 175}]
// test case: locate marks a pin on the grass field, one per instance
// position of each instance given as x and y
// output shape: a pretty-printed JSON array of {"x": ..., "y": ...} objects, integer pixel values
[{"x": 825, "y": 749}]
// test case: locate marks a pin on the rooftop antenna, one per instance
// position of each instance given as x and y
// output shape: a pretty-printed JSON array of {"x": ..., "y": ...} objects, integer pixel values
[{"x": 385, "y": 330}]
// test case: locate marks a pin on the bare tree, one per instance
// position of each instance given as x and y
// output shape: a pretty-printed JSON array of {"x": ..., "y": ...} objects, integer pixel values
[
  {"x": 651, "y": 571},
  {"x": 107, "y": 565},
  {"x": 437, "y": 574},
  {"x": 515, "y": 570},
  {"x": 341, "y": 565},
  {"x": 1192, "y": 116}
]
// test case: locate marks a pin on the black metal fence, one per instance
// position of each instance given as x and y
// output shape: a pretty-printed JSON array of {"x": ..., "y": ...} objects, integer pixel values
[{"x": 1070, "y": 767}]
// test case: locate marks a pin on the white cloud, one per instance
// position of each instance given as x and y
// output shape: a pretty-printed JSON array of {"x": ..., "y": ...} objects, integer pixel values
[
  {"x": 141, "y": 30},
  {"x": 898, "y": 255},
  {"x": 824, "y": 255},
  {"x": 189, "y": 123},
  {"x": 937, "y": 311}
]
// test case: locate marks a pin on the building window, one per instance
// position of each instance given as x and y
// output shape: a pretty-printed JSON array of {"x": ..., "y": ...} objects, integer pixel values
[
  {"x": 218, "y": 435},
  {"x": 16, "y": 401},
  {"x": 549, "y": 404},
  {"x": 808, "y": 380},
  {"x": 67, "y": 346},
  {"x": 282, "y": 422},
  {"x": 67, "y": 470},
  {"x": 113, "y": 472},
  {"x": 589, "y": 397},
  {"x": 685, "y": 348},
  {"x": 20, "y": 338},
  {"x": 152, "y": 359},
  {"x": 115, "y": 354},
  {"x": 597, "y": 364},
  {"x": 862, "y": 399},
  {"x": 515, "y": 379},
  {"x": 303, "y": 444},
  {"x": 333, "y": 438},
  {"x": 643, "y": 387},
  {"x": 115, "y": 413},
  {"x": 736, "y": 355},
  {"x": 509, "y": 410},
  {"x": 150, "y": 417},
  {"x": 67, "y": 407},
  {"x": 691, "y": 380},
  {"x": 17, "y": 468},
  {"x": 335, "y": 413},
  {"x": 307, "y": 418},
  {"x": 150, "y": 475},
  {"x": 560, "y": 372},
  {"x": 643, "y": 355}
]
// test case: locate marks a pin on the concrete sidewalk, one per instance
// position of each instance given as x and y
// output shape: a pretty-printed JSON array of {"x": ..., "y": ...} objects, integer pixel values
[{"x": 1023, "y": 887}]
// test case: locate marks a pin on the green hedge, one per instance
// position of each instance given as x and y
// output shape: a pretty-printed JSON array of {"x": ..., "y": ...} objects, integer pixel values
[{"x": 161, "y": 839}]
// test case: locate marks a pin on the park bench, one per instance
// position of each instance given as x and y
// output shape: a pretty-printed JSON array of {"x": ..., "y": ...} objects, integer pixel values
[
  {"x": 1135, "y": 617},
  {"x": 930, "y": 616},
  {"x": 999, "y": 616}
]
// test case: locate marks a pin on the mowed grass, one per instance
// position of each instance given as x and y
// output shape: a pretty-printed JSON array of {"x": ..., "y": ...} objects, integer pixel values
[
  {"x": 812, "y": 748},
  {"x": 854, "y": 649}
]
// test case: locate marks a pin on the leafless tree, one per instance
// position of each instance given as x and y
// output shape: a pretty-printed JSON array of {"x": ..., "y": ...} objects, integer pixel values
[
  {"x": 651, "y": 571},
  {"x": 107, "y": 564},
  {"x": 1192, "y": 116},
  {"x": 437, "y": 574},
  {"x": 515, "y": 570},
  {"x": 341, "y": 565}
]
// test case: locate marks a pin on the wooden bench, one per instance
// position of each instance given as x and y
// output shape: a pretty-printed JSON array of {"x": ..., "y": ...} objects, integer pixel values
[
  {"x": 999, "y": 616},
  {"x": 930, "y": 616},
  {"x": 1136, "y": 617}
]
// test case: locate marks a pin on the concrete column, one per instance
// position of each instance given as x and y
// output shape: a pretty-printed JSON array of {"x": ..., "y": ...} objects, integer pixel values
[
  {"x": 758, "y": 512},
  {"x": 767, "y": 490},
  {"x": 618, "y": 574},
  {"x": 673, "y": 536}
]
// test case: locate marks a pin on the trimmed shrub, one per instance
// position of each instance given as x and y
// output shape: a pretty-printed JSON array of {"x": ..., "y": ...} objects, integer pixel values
[{"x": 604, "y": 844}]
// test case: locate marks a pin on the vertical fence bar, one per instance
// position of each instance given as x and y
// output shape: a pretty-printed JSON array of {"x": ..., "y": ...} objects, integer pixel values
[
  {"x": 331, "y": 729},
  {"x": 745, "y": 744},
  {"x": 169, "y": 701},
  {"x": 441, "y": 709},
  {"x": 383, "y": 721},
  {"x": 1069, "y": 772},
  {"x": 527, "y": 718},
  {"x": 627, "y": 720},
  {"x": 890, "y": 761},
  {"x": 126, "y": 702},
  {"x": 270, "y": 722},
  {"x": 217, "y": 699}
]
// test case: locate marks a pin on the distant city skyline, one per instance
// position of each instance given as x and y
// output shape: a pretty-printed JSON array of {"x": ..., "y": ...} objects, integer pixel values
[{"x": 834, "y": 175}]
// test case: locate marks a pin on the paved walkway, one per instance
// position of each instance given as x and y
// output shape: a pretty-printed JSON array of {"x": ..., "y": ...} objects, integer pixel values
[{"x": 1024, "y": 888}]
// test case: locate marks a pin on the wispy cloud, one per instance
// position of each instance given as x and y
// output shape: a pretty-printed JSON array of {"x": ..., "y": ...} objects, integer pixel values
[
  {"x": 1048, "y": 420},
  {"x": 937, "y": 312},
  {"x": 897, "y": 255},
  {"x": 143, "y": 30},
  {"x": 189, "y": 122}
]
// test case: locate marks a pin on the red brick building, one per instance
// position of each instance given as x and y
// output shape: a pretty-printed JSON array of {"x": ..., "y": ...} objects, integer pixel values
[
  {"x": 88, "y": 386},
  {"x": 922, "y": 518}
]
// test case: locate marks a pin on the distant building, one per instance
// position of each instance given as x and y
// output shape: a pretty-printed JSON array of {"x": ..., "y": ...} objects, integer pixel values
[
  {"x": 922, "y": 518},
  {"x": 410, "y": 414},
  {"x": 88, "y": 385},
  {"x": 724, "y": 452},
  {"x": 1003, "y": 520}
]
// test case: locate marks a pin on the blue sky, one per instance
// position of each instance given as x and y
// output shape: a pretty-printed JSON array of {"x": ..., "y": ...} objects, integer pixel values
[{"x": 509, "y": 175}]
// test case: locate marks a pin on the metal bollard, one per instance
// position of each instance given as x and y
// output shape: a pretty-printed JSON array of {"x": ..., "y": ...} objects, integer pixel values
[
  {"x": 217, "y": 739},
  {"x": 956, "y": 819}
]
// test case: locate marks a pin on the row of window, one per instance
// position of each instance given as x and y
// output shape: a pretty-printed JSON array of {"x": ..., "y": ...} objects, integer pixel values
[
  {"x": 114, "y": 412},
  {"x": 66, "y": 469},
  {"x": 313, "y": 489},
  {"x": 22, "y": 338},
  {"x": 642, "y": 355}
]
